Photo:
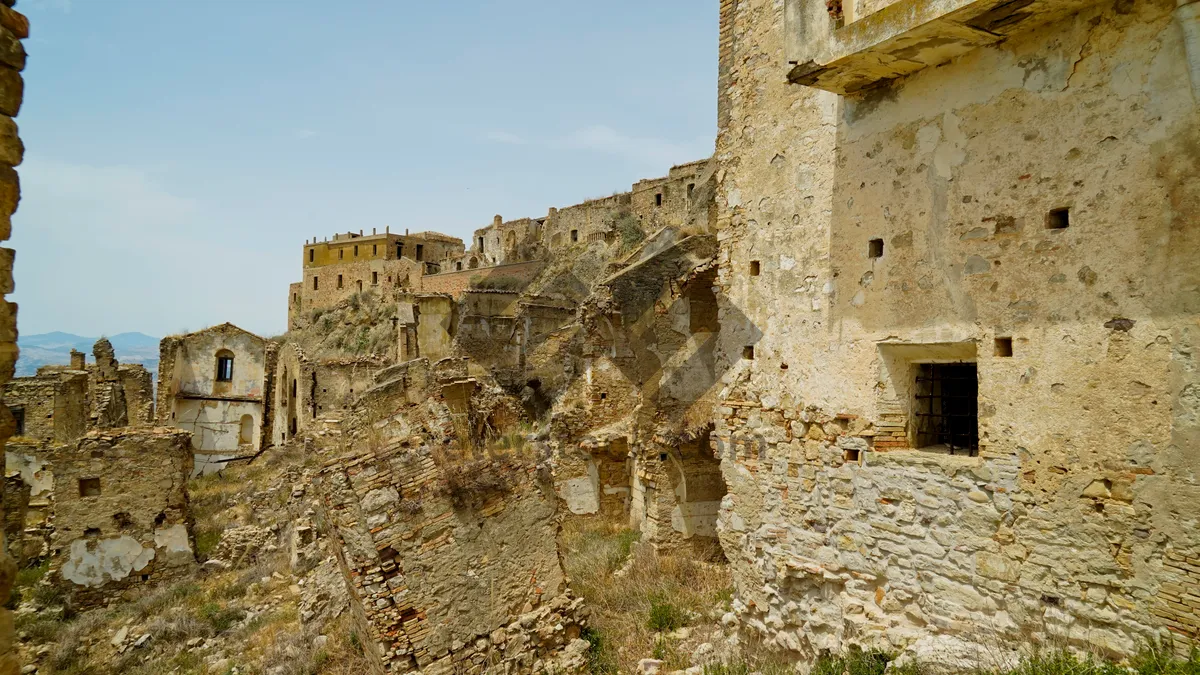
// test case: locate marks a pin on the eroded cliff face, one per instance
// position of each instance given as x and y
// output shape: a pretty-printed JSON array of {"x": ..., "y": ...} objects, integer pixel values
[{"x": 1018, "y": 213}]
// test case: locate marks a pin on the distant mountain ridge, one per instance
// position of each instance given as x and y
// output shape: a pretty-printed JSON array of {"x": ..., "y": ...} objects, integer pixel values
[{"x": 55, "y": 348}]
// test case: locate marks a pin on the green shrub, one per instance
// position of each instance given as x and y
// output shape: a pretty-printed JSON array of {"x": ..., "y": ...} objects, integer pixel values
[
  {"x": 601, "y": 659},
  {"x": 664, "y": 617},
  {"x": 206, "y": 542},
  {"x": 220, "y": 618},
  {"x": 853, "y": 662}
]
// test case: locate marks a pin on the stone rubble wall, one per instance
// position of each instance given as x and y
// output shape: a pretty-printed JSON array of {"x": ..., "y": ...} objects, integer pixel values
[
  {"x": 1075, "y": 521},
  {"x": 121, "y": 517}
]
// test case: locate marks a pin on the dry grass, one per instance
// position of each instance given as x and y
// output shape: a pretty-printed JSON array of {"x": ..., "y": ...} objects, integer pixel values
[{"x": 632, "y": 592}]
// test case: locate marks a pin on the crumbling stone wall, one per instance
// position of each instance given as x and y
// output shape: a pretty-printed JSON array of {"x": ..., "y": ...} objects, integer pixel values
[
  {"x": 922, "y": 222},
  {"x": 62, "y": 402},
  {"x": 121, "y": 516},
  {"x": 451, "y": 555}
]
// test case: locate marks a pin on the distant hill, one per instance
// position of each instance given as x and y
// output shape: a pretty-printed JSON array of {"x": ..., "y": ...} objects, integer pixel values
[{"x": 55, "y": 349}]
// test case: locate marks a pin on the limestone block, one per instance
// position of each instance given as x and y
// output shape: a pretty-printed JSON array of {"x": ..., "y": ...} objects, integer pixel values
[
  {"x": 14, "y": 21},
  {"x": 12, "y": 90},
  {"x": 12, "y": 52}
]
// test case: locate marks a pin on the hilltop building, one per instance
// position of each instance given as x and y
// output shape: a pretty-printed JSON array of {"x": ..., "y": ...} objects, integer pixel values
[{"x": 335, "y": 269}]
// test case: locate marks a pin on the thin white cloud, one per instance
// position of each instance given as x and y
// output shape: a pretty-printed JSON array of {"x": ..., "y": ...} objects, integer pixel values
[
  {"x": 104, "y": 246},
  {"x": 504, "y": 137},
  {"x": 651, "y": 151}
]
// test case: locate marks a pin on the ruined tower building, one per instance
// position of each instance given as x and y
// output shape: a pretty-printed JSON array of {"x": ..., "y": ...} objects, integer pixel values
[
  {"x": 14, "y": 27},
  {"x": 352, "y": 263},
  {"x": 959, "y": 289},
  {"x": 216, "y": 384}
]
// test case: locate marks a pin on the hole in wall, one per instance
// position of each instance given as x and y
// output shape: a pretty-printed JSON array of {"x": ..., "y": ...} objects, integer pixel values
[
  {"x": 92, "y": 532},
  {"x": 1058, "y": 219},
  {"x": 755, "y": 268},
  {"x": 89, "y": 487},
  {"x": 875, "y": 248},
  {"x": 852, "y": 455},
  {"x": 1004, "y": 347},
  {"x": 748, "y": 352}
]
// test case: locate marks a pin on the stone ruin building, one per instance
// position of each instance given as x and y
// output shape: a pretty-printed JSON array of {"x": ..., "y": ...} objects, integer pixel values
[
  {"x": 61, "y": 403},
  {"x": 216, "y": 383},
  {"x": 335, "y": 269},
  {"x": 120, "y": 512},
  {"x": 958, "y": 404},
  {"x": 55, "y": 408}
]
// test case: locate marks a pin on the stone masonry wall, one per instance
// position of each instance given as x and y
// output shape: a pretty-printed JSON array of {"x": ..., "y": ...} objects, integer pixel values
[
  {"x": 14, "y": 27},
  {"x": 121, "y": 516},
  {"x": 923, "y": 222}
]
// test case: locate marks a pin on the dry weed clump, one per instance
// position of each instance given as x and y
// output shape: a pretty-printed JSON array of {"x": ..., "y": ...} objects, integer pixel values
[{"x": 636, "y": 596}]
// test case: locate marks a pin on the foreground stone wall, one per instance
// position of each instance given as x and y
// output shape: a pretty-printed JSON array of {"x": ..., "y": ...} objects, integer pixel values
[
  {"x": 924, "y": 222},
  {"x": 121, "y": 515},
  {"x": 14, "y": 27}
]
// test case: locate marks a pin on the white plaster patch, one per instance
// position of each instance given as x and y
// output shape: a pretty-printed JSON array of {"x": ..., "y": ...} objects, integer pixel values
[
  {"x": 950, "y": 153},
  {"x": 174, "y": 539},
  {"x": 786, "y": 263},
  {"x": 92, "y": 562}
]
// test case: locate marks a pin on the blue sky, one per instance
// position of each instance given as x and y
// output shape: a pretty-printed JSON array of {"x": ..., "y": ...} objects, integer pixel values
[{"x": 178, "y": 153}]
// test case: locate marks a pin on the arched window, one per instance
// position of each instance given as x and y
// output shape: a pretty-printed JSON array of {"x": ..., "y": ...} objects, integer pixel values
[
  {"x": 224, "y": 366},
  {"x": 246, "y": 431}
]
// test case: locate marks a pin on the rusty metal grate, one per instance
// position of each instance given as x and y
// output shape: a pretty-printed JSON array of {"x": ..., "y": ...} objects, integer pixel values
[{"x": 948, "y": 406}]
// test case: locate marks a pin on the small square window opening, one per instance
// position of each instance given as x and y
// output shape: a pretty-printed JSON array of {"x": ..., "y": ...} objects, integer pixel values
[
  {"x": 1058, "y": 219},
  {"x": 853, "y": 455},
  {"x": 755, "y": 268},
  {"x": 89, "y": 487},
  {"x": 875, "y": 248},
  {"x": 748, "y": 352},
  {"x": 574, "y": 236},
  {"x": 1004, "y": 346}
]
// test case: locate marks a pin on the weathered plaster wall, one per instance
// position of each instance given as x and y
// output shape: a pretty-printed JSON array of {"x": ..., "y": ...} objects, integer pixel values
[
  {"x": 121, "y": 512},
  {"x": 226, "y": 418},
  {"x": 436, "y": 326},
  {"x": 1083, "y": 490}
]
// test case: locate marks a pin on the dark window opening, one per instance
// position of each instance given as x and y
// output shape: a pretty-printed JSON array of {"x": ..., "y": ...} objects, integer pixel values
[
  {"x": 853, "y": 455},
  {"x": 295, "y": 297},
  {"x": 690, "y": 189},
  {"x": 374, "y": 250},
  {"x": 481, "y": 244},
  {"x": 875, "y": 248},
  {"x": 315, "y": 283},
  {"x": 312, "y": 254},
  {"x": 18, "y": 420},
  {"x": 339, "y": 281},
  {"x": 374, "y": 278},
  {"x": 224, "y": 369},
  {"x": 359, "y": 282},
  {"x": 603, "y": 395},
  {"x": 341, "y": 253},
  {"x": 459, "y": 267},
  {"x": 755, "y": 268},
  {"x": 399, "y": 250},
  {"x": 89, "y": 487},
  {"x": 948, "y": 406},
  {"x": 574, "y": 236},
  {"x": 748, "y": 352},
  {"x": 658, "y": 199},
  {"x": 145, "y": 577},
  {"x": 1058, "y": 219},
  {"x": 420, "y": 251},
  {"x": 1004, "y": 346},
  {"x": 356, "y": 250}
]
